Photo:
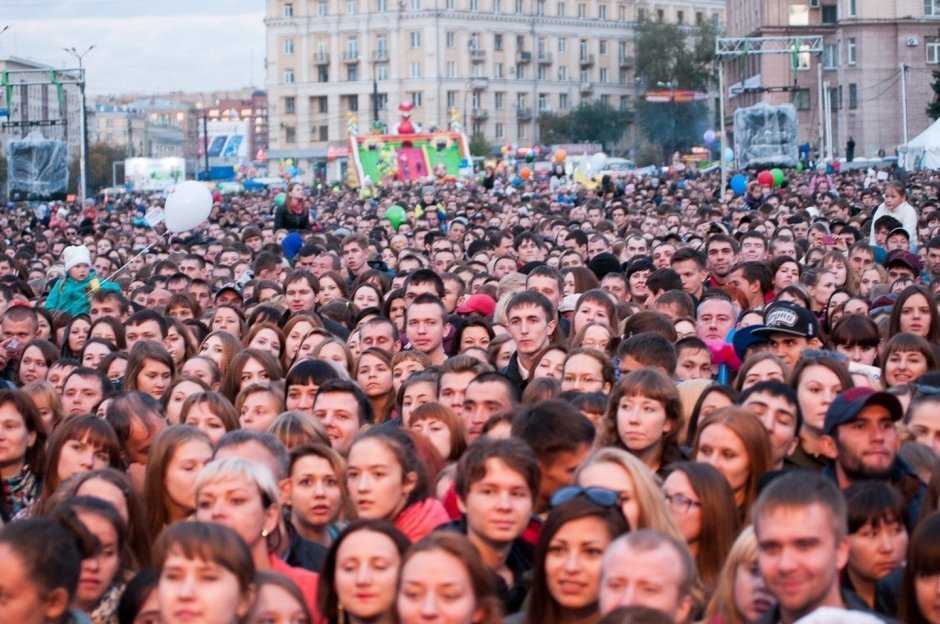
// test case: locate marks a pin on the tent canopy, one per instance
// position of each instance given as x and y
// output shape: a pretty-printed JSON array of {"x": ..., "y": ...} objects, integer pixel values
[{"x": 923, "y": 151}]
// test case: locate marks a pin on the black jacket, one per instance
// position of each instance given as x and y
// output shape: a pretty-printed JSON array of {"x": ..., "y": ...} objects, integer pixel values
[{"x": 284, "y": 219}]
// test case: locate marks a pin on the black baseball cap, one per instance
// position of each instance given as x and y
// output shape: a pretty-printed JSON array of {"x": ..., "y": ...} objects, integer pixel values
[{"x": 788, "y": 318}]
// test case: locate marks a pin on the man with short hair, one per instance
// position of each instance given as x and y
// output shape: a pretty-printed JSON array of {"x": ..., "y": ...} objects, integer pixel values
[
  {"x": 426, "y": 325},
  {"x": 615, "y": 285},
  {"x": 903, "y": 264},
  {"x": 548, "y": 281},
  {"x": 753, "y": 247},
  {"x": 456, "y": 374},
  {"x": 715, "y": 318},
  {"x": 861, "y": 255},
  {"x": 776, "y": 405},
  {"x": 790, "y": 329},
  {"x": 145, "y": 325},
  {"x": 721, "y": 254},
  {"x": 531, "y": 321},
  {"x": 648, "y": 568},
  {"x": 647, "y": 350},
  {"x": 693, "y": 359},
  {"x": 355, "y": 249},
  {"x": 379, "y": 333},
  {"x": 83, "y": 390},
  {"x": 690, "y": 265},
  {"x": 344, "y": 410},
  {"x": 754, "y": 280}
]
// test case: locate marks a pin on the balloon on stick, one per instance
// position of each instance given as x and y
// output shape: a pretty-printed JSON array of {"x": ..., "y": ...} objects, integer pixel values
[
  {"x": 187, "y": 205},
  {"x": 739, "y": 184}
]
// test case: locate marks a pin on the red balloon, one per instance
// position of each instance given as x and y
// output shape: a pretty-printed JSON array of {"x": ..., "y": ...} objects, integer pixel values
[{"x": 765, "y": 178}]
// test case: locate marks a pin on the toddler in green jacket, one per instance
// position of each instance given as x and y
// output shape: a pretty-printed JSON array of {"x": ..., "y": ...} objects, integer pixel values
[{"x": 80, "y": 281}]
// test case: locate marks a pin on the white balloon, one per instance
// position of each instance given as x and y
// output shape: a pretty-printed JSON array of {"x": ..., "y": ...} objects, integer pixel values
[
  {"x": 187, "y": 205},
  {"x": 598, "y": 161}
]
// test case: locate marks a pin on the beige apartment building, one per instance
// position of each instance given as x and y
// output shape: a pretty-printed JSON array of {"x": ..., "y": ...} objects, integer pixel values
[
  {"x": 498, "y": 62},
  {"x": 866, "y": 43}
]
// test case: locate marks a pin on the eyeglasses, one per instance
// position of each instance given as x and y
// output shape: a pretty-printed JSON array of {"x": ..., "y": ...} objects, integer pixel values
[
  {"x": 815, "y": 353},
  {"x": 597, "y": 495},
  {"x": 680, "y": 502}
]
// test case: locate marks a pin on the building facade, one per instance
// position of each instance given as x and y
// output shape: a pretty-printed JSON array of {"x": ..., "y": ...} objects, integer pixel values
[
  {"x": 499, "y": 63},
  {"x": 867, "y": 45}
]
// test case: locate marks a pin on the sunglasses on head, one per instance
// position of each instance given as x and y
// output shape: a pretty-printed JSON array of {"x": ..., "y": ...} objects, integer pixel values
[{"x": 597, "y": 495}]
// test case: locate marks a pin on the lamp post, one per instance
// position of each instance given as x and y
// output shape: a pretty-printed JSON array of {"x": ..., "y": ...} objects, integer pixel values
[{"x": 83, "y": 169}]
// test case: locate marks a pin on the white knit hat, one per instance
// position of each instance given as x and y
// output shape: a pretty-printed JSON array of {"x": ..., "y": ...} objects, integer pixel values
[{"x": 74, "y": 255}]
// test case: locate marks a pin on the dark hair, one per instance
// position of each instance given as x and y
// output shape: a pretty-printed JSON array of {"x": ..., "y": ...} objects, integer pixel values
[
  {"x": 776, "y": 389},
  {"x": 855, "y": 329},
  {"x": 873, "y": 502},
  {"x": 923, "y": 559},
  {"x": 73, "y": 506},
  {"x": 894, "y": 324},
  {"x": 344, "y": 386},
  {"x": 552, "y": 427},
  {"x": 96, "y": 431},
  {"x": 906, "y": 342},
  {"x": 135, "y": 594},
  {"x": 543, "y": 608},
  {"x": 32, "y": 421},
  {"x": 651, "y": 349},
  {"x": 211, "y": 542},
  {"x": 534, "y": 299},
  {"x": 804, "y": 488},
  {"x": 516, "y": 454},
  {"x": 327, "y": 599},
  {"x": 403, "y": 447}
]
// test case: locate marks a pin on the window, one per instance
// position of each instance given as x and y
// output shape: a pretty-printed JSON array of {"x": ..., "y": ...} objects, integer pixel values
[
  {"x": 623, "y": 76},
  {"x": 660, "y": 15},
  {"x": 497, "y": 6},
  {"x": 381, "y": 71},
  {"x": 830, "y": 56},
  {"x": 288, "y": 75},
  {"x": 850, "y": 50},
  {"x": 801, "y": 99},
  {"x": 521, "y": 99},
  {"x": 585, "y": 75},
  {"x": 415, "y": 5},
  {"x": 290, "y": 134},
  {"x": 621, "y": 13},
  {"x": 499, "y": 99},
  {"x": 519, "y": 7},
  {"x": 605, "y": 99},
  {"x": 451, "y": 70},
  {"x": 602, "y": 12},
  {"x": 563, "y": 101},
  {"x": 350, "y": 7},
  {"x": 853, "y": 8},
  {"x": 802, "y": 58},
  {"x": 604, "y": 76},
  {"x": 288, "y": 9},
  {"x": 382, "y": 100},
  {"x": 543, "y": 101},
  {"x": 563, "y": 72},
  {"x": 560, "y": 9},
  {"x": 853, "y": 95},
  {"x": 381, "y": 6},
  {"x": 323, "y": 104},
  {"x": 414, "y": 69},
  {"x": 500, "y": 131},
  {"x": 450, "y": 38},
  {"x": 290, "y": 105},
  {"x": 932, "y": 7},
  {"x": 523, "y": 131},
  {"x": 602, "y": 46},
  {"x": 476, "y": 100},
  {"x": 540, "y": 8},
  {"x": 933, "y": 50},
  {"x": 624, "y": 102},
  {"x": 542, "y": 72},
  {"x": 680, "y": 17},
  {"x": 381, "y": 45},
  {"x": 715, "y": 21},
  {"x": 321, "y": 9},
  {"x": 451, "y": 99},
  {"x": 415, "y": 39},
  {"x": 323, "y": 73},
  {"x": 288, "y": 46},
  {"x": 497, "y": 42},
  {"x": 520, "y": 72},
  {"x": 324, "y": 133},
  {"x": 477, "y": 127},
  {"x": 699, "y": 18},
  {"x": 497, "y": 70},
  {"x": 352, "y": 47},
  {"x": 352, "y": 103},
  {"x": 582, "y": 10},
  {"x": 830, "y": 13},
  {"x": 450, "y": 5},
  {"x": 641, "y": 15},
  {"x": 799, "y": 15},
  {"x": 474, "y": 5},
  {"x": 352, "y": 73},
  {"x": 416, "y": 98}
]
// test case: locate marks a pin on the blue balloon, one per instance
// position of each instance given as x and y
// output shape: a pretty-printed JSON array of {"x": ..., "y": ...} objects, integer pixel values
[
  {"x": 739, "y": 184},
  {"x": 729, "y": 155}
]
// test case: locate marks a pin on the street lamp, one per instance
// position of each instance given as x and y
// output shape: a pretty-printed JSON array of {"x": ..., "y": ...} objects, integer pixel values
[{"x": 83, "y": 169}]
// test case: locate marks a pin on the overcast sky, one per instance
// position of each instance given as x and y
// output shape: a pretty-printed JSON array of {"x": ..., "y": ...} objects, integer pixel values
[{"x": 146, "y": 46}]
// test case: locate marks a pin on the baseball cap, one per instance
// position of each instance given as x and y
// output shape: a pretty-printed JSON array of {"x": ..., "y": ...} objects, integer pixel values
[
  {"x": 568, "y": 303},
  {"x": 847, "y": 406},
  {"x": 477, "y": 304},
  {"x": 900, "y": 230},
  {"x": 908, "y": 259},
  {"x": 744, "y": 339},
  {"x": 788, "y": 318}
]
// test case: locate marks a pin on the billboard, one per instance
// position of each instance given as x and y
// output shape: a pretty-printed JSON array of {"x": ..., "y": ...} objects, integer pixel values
[
  {"x": 765, "y": 136},
  {"x": 154, "y": 174},
  {"x": 228, "y": 141}
]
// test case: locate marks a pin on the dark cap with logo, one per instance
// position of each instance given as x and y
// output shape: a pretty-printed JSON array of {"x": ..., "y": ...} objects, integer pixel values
[
  {"x": 849, "y": 404},
  {"x": 908, "y": 259},
  {"x": 788, "y": 318}
]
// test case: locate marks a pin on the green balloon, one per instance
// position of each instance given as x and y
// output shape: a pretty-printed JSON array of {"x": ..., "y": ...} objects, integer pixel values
[
  {"x": 280, "y": 199},
  {"x": 396, "y": 216},
  {"x": 799, "y": 167},
  {"x": 778, "y": 176}
]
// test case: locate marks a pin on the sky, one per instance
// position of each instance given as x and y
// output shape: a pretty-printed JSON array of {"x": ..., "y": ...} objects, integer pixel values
[{"x": 142, "y": 46}]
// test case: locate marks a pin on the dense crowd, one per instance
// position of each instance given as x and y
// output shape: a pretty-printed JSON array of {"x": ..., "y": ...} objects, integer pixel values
[{"x": 528, "y": 402}]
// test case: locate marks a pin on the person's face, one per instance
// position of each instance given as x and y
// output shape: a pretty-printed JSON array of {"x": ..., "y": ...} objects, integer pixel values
[
  {"x": 694, "y": 364},
  {"x": 80, "y": 456},
  {"x": 213, "y": 348},
  {"x": 786, "y": 275},
  {"x": 638, "y": 284},
  {"x": 817, "y": 388},
  {"x": 482, "y": 400},
  {"x": 641, "y": 424},
  {"x": 196, "y": 590},
  {"x": 81, "y": 394},
  {"x": 715, "y": 319},
  {"x": 751, "y": 598},
  {"x": 300, "y": 296},
  {"x": 146, "y": 330},
  {"x": 924, "y": 424},
  {"x": 474, "y": 337},
  {"x": 721, "y": 447},
  {"x": 498, "y": 506},
  {"x": 788, "y": 348},
  {"x": 436, "y": 587},
  {"x": 799, "y": 556},
  {"x": 662, "y": 255},
  {"x": 823, "y": 289},
  {"x": 915, "y": 315},
  {"x": 15, "y": 440},
  {"x": 258, "y": 411},
  {"x": 315, "y": 493},
  {"x": 33, "y": 365},
  {"x": 650, "y": 578},
  {"x": 98, "y": 571},
  {"x": 78, "y": 334},
  {"x": 236, "y": 503},
  {"x": 898, "y": 272},
  {"x": 437, "y": 434},
  {"x": 720, "y": 258},
  {"x": 378, "y": 489},
  {"x": 339, "y": 413},
  {"x": 528, "y": 251},
  {"x": 684, "y": 505},
  {"x": 275, "y": 605},
  {"x": 614, "y": 477},
  {"x": 366, "y": 297},
  {"x": 636, "y": 246},
  {"x": 877, "y": 548},
  {"x": 329, "y": 291},
  {"x": 691, "y": 275},
  {"x": 203, "y": 418},
  {"x": 904, "y": 366},
  {"x": 752, "y": 249},
  {"x": 379, "y": 336},
  {"x": 615, "y": 287},
  {"x": 867, "y": 445},
  {"x": 927, "y": 591},
  {"x": 355, "y": 257},
  {"x": 546, "y": 285},
  {"x": 893, "y": 198},
  {"x": 573, "y": 562},
  {"x": 583, "y": 373},
  {"x": 366, "y": 574},
  {"x": 416, "y": 395},
  {"x": 593, "y": 312},
  {"x": 505, "y": 354},
  {"x": 25, "y": 601},
  {"x": 153, "y": 378},
  {"x": 596, "y": 337},
  {"x": 860, "y": 258},
  {"x": 452, "y": 390},
  {"x": 529, "y": 328},
  {"x": 374, "y": 376},
  {"x": 292, "y": 341},
  {"x": 778, "y": 416},
  {"x": 226, "y": 320}
]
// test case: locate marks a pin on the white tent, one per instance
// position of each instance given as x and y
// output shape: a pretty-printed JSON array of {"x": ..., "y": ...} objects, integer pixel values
[{"x": 923, "y": 151}]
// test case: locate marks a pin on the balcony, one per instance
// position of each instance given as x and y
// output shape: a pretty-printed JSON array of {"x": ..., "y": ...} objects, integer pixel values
[
  {"x": 587, "y": 60},
  {"x": 523, "y": 114},
  {"x": 545, "y": 58},
  {"x": 380, "y": 56},
  {"x": 351, "y": 57},
  {"x": 587, "y": 87},
  {"x": 321, "y": 58},
  {"x": 523, "y": 58},
  {"x": 625, "y": 62},
  {"x": 478, "y": 84},
  {"x": 480, "y": 114},
  {"x": 477, "y": 56}
]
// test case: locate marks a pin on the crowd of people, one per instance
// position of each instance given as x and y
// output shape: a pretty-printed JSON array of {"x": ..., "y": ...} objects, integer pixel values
[{"x": 529, "y": 402}]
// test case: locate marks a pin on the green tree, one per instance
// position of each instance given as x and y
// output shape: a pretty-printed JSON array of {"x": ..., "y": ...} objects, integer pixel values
[
  {"x": 479, "y": 146},
  {"x": 4, "y": 164},
  {"x": 594, "y": 122},
  {"x": 100, "y": 158},
  {"x": 933, "y": 109},
  {"x": 674, "y": 57}
]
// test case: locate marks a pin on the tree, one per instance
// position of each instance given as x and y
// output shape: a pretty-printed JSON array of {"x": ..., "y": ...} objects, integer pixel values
[
  {"x": 594, "y": 122},
  {"x": 933, "y": 109},
  {"x": 4, "y": 164},
  {"x": 674, "y": 57},
  {"x": 479, "y": 146},
  {"x": 100, "y": 158}
]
